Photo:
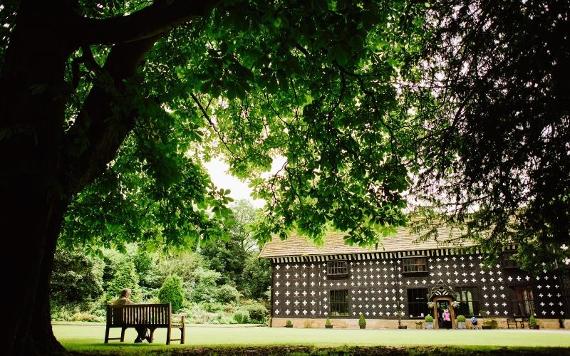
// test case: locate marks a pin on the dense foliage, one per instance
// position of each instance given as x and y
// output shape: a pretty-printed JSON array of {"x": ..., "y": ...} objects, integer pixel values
[
  {"x": 497, "y": 159},
  {"x": 77, "y": 278},
  {"x": 109, "y": 110},
  {"x": 190, "y": 281},
  {"x": 172, "y": 292}
]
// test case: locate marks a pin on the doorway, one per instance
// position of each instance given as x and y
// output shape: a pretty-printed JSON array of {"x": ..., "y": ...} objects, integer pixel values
[{"x": 441, "y": 305}]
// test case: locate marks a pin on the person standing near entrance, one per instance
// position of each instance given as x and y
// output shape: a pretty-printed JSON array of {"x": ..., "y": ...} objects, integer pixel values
[
  {"x": 447, "y": 319},
  {"x": 474, "y": 322}
]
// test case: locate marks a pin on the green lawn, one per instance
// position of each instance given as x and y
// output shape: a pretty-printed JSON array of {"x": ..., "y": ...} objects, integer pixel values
[{"x": 84, "y": 336}]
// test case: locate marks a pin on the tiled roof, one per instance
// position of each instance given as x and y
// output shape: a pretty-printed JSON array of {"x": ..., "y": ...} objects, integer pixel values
[{"x": 334, "y": 244}]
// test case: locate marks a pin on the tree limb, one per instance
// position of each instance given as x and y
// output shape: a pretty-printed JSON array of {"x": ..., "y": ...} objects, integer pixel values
[
  {"x": 106, "y": 117},
  {"x": 149, "y": 22},
  {"x": 212, "y": 124}
]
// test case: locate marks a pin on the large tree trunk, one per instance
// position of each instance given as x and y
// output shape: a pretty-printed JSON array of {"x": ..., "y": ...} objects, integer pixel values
[
  {"x": 43, "y": 340},
  {"x": 41, "y": 166},
  {"x": 32, "y": 102}
]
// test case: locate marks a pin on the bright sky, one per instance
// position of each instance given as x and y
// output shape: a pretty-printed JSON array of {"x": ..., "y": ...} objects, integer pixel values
[{"x": 218, "y": 170}]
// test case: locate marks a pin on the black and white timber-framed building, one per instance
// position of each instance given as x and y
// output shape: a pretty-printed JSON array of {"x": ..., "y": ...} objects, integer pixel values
[{"x": 405, "y": 280}]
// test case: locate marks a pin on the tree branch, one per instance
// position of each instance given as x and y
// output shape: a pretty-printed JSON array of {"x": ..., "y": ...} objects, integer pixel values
[
  {"x": 149, "y": 22},
  {"x": 212, "y": 124},
  {"x": 106, "y": 117}
]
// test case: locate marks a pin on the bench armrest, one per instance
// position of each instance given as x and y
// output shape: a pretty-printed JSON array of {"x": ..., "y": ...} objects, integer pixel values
[{"x": 179, "y": 318}]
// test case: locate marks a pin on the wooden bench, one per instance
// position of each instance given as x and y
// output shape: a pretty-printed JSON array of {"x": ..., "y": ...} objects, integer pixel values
[
  {"x": 151, "y": 316},
  {"x": 516, "y": 321}
]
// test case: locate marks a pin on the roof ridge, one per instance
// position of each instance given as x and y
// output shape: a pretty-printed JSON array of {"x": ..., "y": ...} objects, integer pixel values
[{"x": 334, "y": 243}]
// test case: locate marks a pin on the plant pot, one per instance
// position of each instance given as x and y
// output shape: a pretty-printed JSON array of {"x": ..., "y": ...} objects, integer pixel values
[
  {"x": 328, "y": 326},
  {"x": 429, "y": 325},
  {"x": 535, "y": 327},
  {"x": 402, "y": 327},
  {"x": 461, "y": 325},
  {"x": 362, "y": 326}
]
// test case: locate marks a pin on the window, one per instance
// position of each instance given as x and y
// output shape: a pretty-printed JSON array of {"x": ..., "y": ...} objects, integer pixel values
[
  {"x": 507, "y": 262},
  {"x": 339, "y": 302},
  {"x": 417, "y": 303},
  {"x": 468, "y": 301},
  {"x": 337, "y": 269},
  {"x": 415, "y": 265},
  {"x": 523, "y": 303}
]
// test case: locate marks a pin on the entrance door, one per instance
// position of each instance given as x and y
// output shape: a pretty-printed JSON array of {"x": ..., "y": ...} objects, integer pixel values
[{"x": 441, "y": 305}]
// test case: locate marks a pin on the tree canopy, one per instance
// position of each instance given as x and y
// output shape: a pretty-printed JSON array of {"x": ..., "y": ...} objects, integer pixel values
[
  {"x": 498, "y": 160},
  {"x": 461, "y": 104}
]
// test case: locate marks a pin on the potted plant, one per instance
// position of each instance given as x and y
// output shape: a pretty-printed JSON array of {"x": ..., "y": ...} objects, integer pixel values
[
  {"x": 288, "y": 324},
  {"x": 400, "y": 312},
  {"x": 490, "y": 324},
  {"x": 429, "y": 321},
  {"x": 461, "y": 321},
  {"x": 361, "y": 321},
  {"x": 532, "y": 323},
  {"x": 328, "y": 324}
]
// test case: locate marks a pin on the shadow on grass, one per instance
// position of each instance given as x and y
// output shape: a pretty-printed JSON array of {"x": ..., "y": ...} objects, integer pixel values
[{"x": 145, "y": 349}]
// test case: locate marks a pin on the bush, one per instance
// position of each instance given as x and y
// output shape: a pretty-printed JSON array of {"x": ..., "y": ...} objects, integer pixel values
[
  {"x": 328, "y": 323},
  {"x": 213, "y": 307},
  {"x": 289, "y": 324},
  {"x": 125, "y": 276},
  {"x": 490, "y": 324},
  {"x": 532, "y": 323},
  {"x": 200, "y": 316},
  {"x": 172, "y": 292},
  {"x": 429, "y": 318},
  {"x": 86, "y": 316},
  {"x": 361, "y": 321},
  {"x": 257, "y": 312},
  {"x": 76, "y": 278},
  {"x": 461, "y": 318},
  {"x": 241, "y": 316},
  {"x": 205, "y": 288},
  {"x": 227, "y": 294},
  {"x": 222, "y": 319}
]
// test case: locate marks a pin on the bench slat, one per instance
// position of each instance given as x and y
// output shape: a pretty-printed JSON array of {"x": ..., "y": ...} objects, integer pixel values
[{"x": 149, "y": 315}]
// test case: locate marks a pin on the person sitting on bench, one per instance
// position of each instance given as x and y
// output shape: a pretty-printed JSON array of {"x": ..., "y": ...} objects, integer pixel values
[{"x": 124, "y": 299}]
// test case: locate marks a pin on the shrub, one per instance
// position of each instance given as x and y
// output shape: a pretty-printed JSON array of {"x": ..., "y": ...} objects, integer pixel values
[
  {"x": 86, "y": 316},
  {"x": 199, "y": 316},
  {"x": 429, "y": 318},
  {"x": 76, "y": 278},
  {"x": 328, "y": 323},
  {"x": 61, "y": 313},
  {"x": 257, "y": 312},
  {"x": 490, "y": 324},
  {"x": 223, "y": 319},
  {"x": 227, "y": 294},
  {"x": 125, "y": 276},
  {"x": 205, "y": 288},
  {"x": 361, "y": 321},
  {"x": 289, "y": 324},
  {"x": 172, "y": 292},
  {"x": 461, "y": 318},
  {"x": 241, "y": 316},
  {"x": 212, "y": 307},
  {"x": 532, "y": 322}
]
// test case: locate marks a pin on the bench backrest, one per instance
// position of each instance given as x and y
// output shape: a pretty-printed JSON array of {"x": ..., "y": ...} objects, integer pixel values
[{"x": 139, "y": 314}]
